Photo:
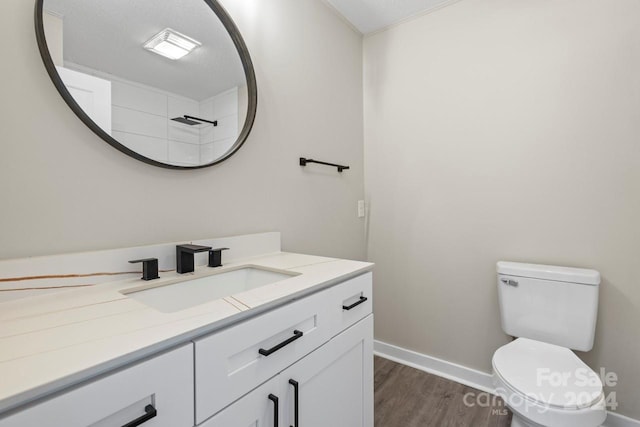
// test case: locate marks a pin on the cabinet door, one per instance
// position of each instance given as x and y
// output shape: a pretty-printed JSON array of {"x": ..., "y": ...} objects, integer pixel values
[
  {"x": 334, "y": 384},
  {"x": 260, "y": 408},
  {"x": 156, "y": 393}
]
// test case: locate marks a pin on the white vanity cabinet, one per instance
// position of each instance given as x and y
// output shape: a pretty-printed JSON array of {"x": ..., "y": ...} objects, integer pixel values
[
  {"x": 307, "y": 362},
  {"x": 325, "y": 380},
  {"x": 162, "y": 386},
  {"x": 331, "y": 386}
]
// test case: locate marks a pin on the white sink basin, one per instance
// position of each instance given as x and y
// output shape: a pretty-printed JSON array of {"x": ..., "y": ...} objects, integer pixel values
[{"x": 185, "y": 293}]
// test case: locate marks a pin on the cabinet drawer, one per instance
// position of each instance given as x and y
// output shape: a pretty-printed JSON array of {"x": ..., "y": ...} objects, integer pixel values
[
  {"x": 351, "y": 302},
  {"x": 229, "y": 363},
  {"x": 163, "y": 384}
]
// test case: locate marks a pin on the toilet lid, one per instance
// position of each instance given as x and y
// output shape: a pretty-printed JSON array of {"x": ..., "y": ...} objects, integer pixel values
[{"x": 547, "y": 373}]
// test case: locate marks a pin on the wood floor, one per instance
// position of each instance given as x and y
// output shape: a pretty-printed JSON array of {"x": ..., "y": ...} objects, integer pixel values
[{"x": 408, "y": 397}]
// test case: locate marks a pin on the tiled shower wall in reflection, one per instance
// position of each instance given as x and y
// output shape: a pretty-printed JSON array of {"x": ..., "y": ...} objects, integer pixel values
[{"x": 141, "y": 120}]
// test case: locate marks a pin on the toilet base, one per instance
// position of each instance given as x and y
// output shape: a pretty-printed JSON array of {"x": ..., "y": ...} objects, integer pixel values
[{"x": 518, "y": 421}]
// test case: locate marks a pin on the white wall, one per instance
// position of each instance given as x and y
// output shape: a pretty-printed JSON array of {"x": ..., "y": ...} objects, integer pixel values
[
  {"x": 64, "y": 190},
  {"x": 504, "y": 130}
]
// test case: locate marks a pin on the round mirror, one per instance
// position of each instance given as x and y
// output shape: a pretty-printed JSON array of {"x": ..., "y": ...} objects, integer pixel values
[{"x": 169, "y": 83}]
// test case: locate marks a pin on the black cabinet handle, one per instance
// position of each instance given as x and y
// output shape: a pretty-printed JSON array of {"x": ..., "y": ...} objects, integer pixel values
[
  {"x": 274, "y": 399},
  {"x": 151, "y": 412},
  {"x": 294, "y": 383},
  {"x": 355, "y": 304},
  {"x": 296, "y": 334}
]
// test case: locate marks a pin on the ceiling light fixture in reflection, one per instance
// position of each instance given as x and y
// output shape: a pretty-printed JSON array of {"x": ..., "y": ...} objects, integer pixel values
[{"x": 171, "y": 44}]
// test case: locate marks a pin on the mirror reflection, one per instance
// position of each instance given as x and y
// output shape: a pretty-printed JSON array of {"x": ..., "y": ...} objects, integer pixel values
[{"x": 165, "y": 81}]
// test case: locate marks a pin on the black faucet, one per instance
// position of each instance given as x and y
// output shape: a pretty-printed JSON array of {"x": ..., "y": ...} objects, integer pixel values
[
  {"x": 184, "y": 257},
  {"x": 149, "y": 268}
]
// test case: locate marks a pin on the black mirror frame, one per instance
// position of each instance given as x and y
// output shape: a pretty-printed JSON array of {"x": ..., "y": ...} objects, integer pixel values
[{"x": 247, "y": 65}]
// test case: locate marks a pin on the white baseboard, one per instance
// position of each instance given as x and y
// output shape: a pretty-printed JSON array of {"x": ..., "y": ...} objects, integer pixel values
[
  {"x": 617, "y": 420},
  {"x": 451, "y": 371},
  {"x": 464, "y": 375}
]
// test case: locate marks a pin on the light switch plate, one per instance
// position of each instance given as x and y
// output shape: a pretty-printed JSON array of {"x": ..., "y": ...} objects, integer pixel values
[{"x": 360, "y": 208}]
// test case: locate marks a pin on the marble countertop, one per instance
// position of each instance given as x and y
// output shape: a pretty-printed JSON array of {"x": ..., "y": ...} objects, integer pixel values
[{"x": 51, "y": 342}]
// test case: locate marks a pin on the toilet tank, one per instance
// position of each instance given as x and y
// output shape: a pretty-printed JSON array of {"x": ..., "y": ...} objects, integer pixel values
[{"x": 556, "y": 305}]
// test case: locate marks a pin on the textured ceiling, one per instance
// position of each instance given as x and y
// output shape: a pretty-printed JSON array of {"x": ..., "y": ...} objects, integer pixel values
[
  {"x": 372, "y": 15},
  {"x": 108, "y": 36}
]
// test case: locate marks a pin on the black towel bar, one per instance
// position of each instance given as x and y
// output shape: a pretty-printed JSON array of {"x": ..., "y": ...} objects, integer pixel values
[{"x": 303, "y": 162}]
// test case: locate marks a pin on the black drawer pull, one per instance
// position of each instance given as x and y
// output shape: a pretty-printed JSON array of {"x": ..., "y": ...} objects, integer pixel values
[
  {"x": 151, "y": 412},
  {"x": 295, "y": 385},
  {"x": 274, "y": 399},
  {"x": 296, "y": 334},
  {"x": 355, "y": 304}
]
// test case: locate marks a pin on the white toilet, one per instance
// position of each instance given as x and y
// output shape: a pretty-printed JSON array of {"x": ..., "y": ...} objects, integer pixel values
[{"x": 551, "y": 310}]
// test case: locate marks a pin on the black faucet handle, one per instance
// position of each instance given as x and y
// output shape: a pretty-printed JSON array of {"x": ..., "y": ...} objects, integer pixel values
[
  {"x": 193, "y": 249},
  {"x": 215, "y": 257},
  {"x": 149, "y": 268},
  {"x": 185, "y": 262}
]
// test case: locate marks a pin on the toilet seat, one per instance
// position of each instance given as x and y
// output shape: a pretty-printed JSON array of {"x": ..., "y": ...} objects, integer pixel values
[
  {"x": 547, "y": 374},
  {"x": 548, "y": 385}
]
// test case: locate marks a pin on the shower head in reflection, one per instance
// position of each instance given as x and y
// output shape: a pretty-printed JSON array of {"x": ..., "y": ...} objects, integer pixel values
[{"x": 192, "y": 121}]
